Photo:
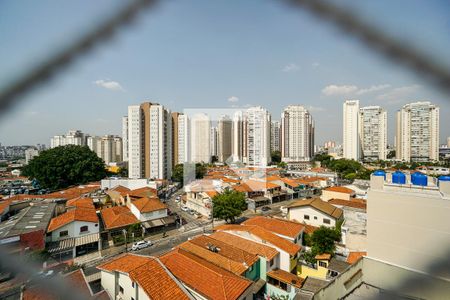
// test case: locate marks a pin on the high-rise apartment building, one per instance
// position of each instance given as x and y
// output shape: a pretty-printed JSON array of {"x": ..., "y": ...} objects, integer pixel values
[
  {"x": 257, "y": 136},
  {"x": 125, "y": 138},
  {"x": 237, "y": 142},
  {"x": 275, "y": 136},
  {"x": 200, "y": 138},
  {"x": 351, "y": 141},
  {"x": 73, "y": 137},
  {"x": 224, "y": 132},
  {"x": 418, "y": 132},
  {"x": 149, "y": 141},
  {"x": 297, "y": 134},
  {"x": 214, "y": 141},
  {"x": 373, "y": 132},
  {"x": 175, "y": 147},
  {"x": 30, "y": 153},
  {"x": 184, "y": 138}
]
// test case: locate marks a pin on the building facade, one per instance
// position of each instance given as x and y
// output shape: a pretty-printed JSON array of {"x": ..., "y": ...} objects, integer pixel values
[
  {"x": 417, "y": 137},
  {"x": 351, "y": 141},
  {"x": 257, "y": 136},
  {"x": 224, "y": 130},
  {"x": 73, "y": 137},
  {"x": 184, "y": 147},
  {"x": 237, "y": 143},
  {"x": 297, "y": 134},
  {"x": 275, "y": 136},
  {"x": 373, "y": 132},
  {"x": 200, "y": 138}
]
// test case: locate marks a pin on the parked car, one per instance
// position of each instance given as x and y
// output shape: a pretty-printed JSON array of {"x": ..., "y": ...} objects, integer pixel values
[
  {"x": 185, "y": 208},
  {"x": 265, "y": 208},
  {"x": 141, "y": 245}
]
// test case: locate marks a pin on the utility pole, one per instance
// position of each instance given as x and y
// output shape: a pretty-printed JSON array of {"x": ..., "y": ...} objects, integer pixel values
[{"x": 126, "y": 244}]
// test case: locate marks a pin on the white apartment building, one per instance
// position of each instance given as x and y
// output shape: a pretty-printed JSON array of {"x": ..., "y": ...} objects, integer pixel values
[
  {"x": 214, "y": 141},
  {"x": 125, "y": 138},
  {"x": 373, "y": 132},
  {"x": 257, "y": 136},
  {"x": 108, "y": 147},
  {"x": 417, "y": 137},
  {"x": 135, "y": 155},
  {"x": 237, "y": 142},
  {"x": 149, "y": 141},
  {"x": 200, "y": 138},
  {"x": 275, "y": 136},
  {"x": 224, "y": 130},
  {"x": 297, "y": 134},
  {"x": 30, "y": 153},
  {"x": 73, "y": 137},
  {"x": 351, "y": 141},
  {"x": 184, "y": 145}
]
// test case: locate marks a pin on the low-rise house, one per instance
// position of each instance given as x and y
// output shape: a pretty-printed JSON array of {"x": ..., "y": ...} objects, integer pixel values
[
  {"x": 282, "y": 285},
  {"x": 199, "y": 195},
  {"x": 147, "y": 209},
  {"x": 287, "y": 249},
  {"x": 325, "y": 268},
  {"x": 292, "y": 231},
  {"x": 117, "y": 218},
  {"x": 205, "y": 280},
  {"x": 139, "y": 277},
  {"x": 74, "y": 233},
  {"x": 337, "y": 192},
  {"x": 315, "y": 212}
]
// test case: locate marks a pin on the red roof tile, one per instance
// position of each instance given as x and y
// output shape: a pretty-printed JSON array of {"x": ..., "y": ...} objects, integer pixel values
[
  {"x": 355, "y": 256},
  {"x": 77, "y": 214},
  {"x": 145, "y": 205},
  {"x": 278, "y": 226},
  {"x": 118, "y": 216},
  {"x": 340, "y": 189}
]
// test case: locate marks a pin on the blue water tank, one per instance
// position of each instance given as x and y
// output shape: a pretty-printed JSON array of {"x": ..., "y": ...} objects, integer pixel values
[
  {"x": 379, "y": 173},
  {"x": 443, "y": 178},
  {"x": 398, "y": 177},
  {"x": 418, "y": 178}
]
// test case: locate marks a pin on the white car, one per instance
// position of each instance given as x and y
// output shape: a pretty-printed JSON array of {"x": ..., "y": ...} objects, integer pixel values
[
  {"x": 141, "y": 245},
  {"x": 185, "y": 208}
]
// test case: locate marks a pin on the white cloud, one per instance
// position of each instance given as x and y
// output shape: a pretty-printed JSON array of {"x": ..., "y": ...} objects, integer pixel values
[
  {"x": 233, "y": 99},
  {"x": 109, "y": 84},
  {"x": 334, "y": 90},
  {"x": 290, "y": 68},
  {"x": 399, "y": 94}
]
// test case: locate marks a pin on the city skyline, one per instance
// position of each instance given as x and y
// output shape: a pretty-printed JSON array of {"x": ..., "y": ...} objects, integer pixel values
[{"x": 227, "y": 63}]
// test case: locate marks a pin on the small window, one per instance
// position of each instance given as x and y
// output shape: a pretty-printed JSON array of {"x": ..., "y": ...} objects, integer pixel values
[
  {"x": 96, "y": 225},
  {"x": 322, "y": 264},
  {"x": 326, "y": 221},
  {"x": 120, "y": 289},
  {"x": 64, "y": 233},
  {"x": 271, "y": 262},
  {"x": 306, "y": 217},
  {"x": 315, "y": 218},
  {"x": 132, "y": 284},
  {"x": 84, "y": 228}
]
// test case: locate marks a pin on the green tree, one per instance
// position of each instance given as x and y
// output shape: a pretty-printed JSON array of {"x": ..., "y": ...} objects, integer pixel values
[
  {"x": 229, "y": 205},
  {"x": 391, "y": 154},
  {"x": 282, "y": 165},
  {"x": 323, "y": 240},
  {"x": 200, "y": 170},
  {"x": 275, "y": 156},
  {"x": 64, "y": 166},
  {"x": 214, "y": 159},
  {"x": 177, "y": 173}
]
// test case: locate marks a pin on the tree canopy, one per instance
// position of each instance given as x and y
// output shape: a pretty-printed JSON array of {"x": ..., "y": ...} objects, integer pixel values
[
  {"x": 275, "y": 156},
  {"x": 229, "y": 205},
  {"x": 64, "y": 166},
  {"x": 321, "y": 241}
]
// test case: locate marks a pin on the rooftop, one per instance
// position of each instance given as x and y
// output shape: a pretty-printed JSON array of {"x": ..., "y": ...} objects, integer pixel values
[
  {"x": 339, "y": 189},
  {"x": 320, "y": 205},
  {"x": 286, "y": 277},
  {"x": 81, "y": 202},
  {"x": 354, "y": 256},
  {"x": 117, "y": 216},
  {"x": 145, "y": 205},
  {"x": 278, "y": 226},
  {"x": 77, "y": 214}
]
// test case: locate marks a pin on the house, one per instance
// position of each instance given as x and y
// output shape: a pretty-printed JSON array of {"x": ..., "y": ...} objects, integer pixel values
[
  {"x": 337, "y": 192},
  {"x": 354, "y": 256},
  {"x": 74, "y": 233},
  {"x": 292, "y": 231},
  {"x": 133, "y": 276},
  {"x": 315, "y": 212},
  {"x": 199, "y": 194},
  {"x": 287, "y": 249},
  {"x": 117, "y": 218},
  {"x": 269, "y": 257},
  {"x": 325, "y": 268},
  {"x": 205, "y": 280},
  {"x": 282, "y": 285},
  {"x": 147, "y": 209}
]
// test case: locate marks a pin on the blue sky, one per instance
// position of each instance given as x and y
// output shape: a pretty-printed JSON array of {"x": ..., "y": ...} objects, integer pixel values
[{"x": 202, "y": 54}]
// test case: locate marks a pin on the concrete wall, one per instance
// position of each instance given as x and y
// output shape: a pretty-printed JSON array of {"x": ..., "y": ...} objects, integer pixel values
[
  {"x": 74, "y": 230},
  {"x": 157, "y": 214},
  {"x": 298, "y": 213},
  {"x": 108, "y": 282},
  {"x": 327, "y": 195}
]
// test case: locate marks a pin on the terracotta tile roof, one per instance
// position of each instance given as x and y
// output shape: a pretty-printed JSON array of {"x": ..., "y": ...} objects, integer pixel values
[
  {"x": 145, "y": 205},
  {"x": 211, "y": 194},
  {"x": 291, "y": 182},
  {"x": 349, "y": 203},
  {"x": 73, "y": 192},
  {"x": 273, "y": 178},
  {"x": 120, "y": 189},
  {"x": 76, "y": 279},
  {"x": 77, "y": 214},
  {"x": 278, "y": 226},
  {"x": 230, "y": 180},
  {"x": 203, "y": 277},
  {"x": 340, "y": 189},
  {"x": 144, "y": 192},
  {"x": 260, "y": 186},
  {"x": 320, "y": 205},
  {"x": 81, "y": 202},
  {"x": 242, "y": 188},
  {"x": 5, "y": 204},
  {"x": 323, "y": 256},
  {"x": 244, "y": 244},
  {"x": 309, "y": 229},
  {"x": 264, "y": 235},
  {"x": 355, "y": 256},
  {"x": 228, "y": 257},
  {"x": 286, "y": 277},
  {"x": 149, "y": 273},
  {"x": 118, "y": 216}
]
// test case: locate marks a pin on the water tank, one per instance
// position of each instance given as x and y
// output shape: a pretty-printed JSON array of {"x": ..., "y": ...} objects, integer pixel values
[
  {"x": 418, "y": 178},
  {"x": 379, "y": 173},
  {"x": 398, "y": 177},
  {"x": 443, "y": 178}
]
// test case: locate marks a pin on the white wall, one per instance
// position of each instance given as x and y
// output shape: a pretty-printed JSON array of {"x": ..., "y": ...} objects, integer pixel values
[
  {"x": 298, "y": 213},
  {"x": 327, "y": 195},
  {"x": 74, "y": 230},
  {"x": 108, "y": 283}
]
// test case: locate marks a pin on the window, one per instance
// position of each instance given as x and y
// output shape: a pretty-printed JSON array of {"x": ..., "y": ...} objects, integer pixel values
[
  {"x": 306, "y": 217},
  {"x": 120, "y": 289},
  {"x": 132, "y": 284},
  {"x": 84, "y": 228},
  {"x": 326, "y": 221},
  {"x": 63, "y": 233},
  {"x": 322, "y": 264},
  {"x": 315, "y": 218}
]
